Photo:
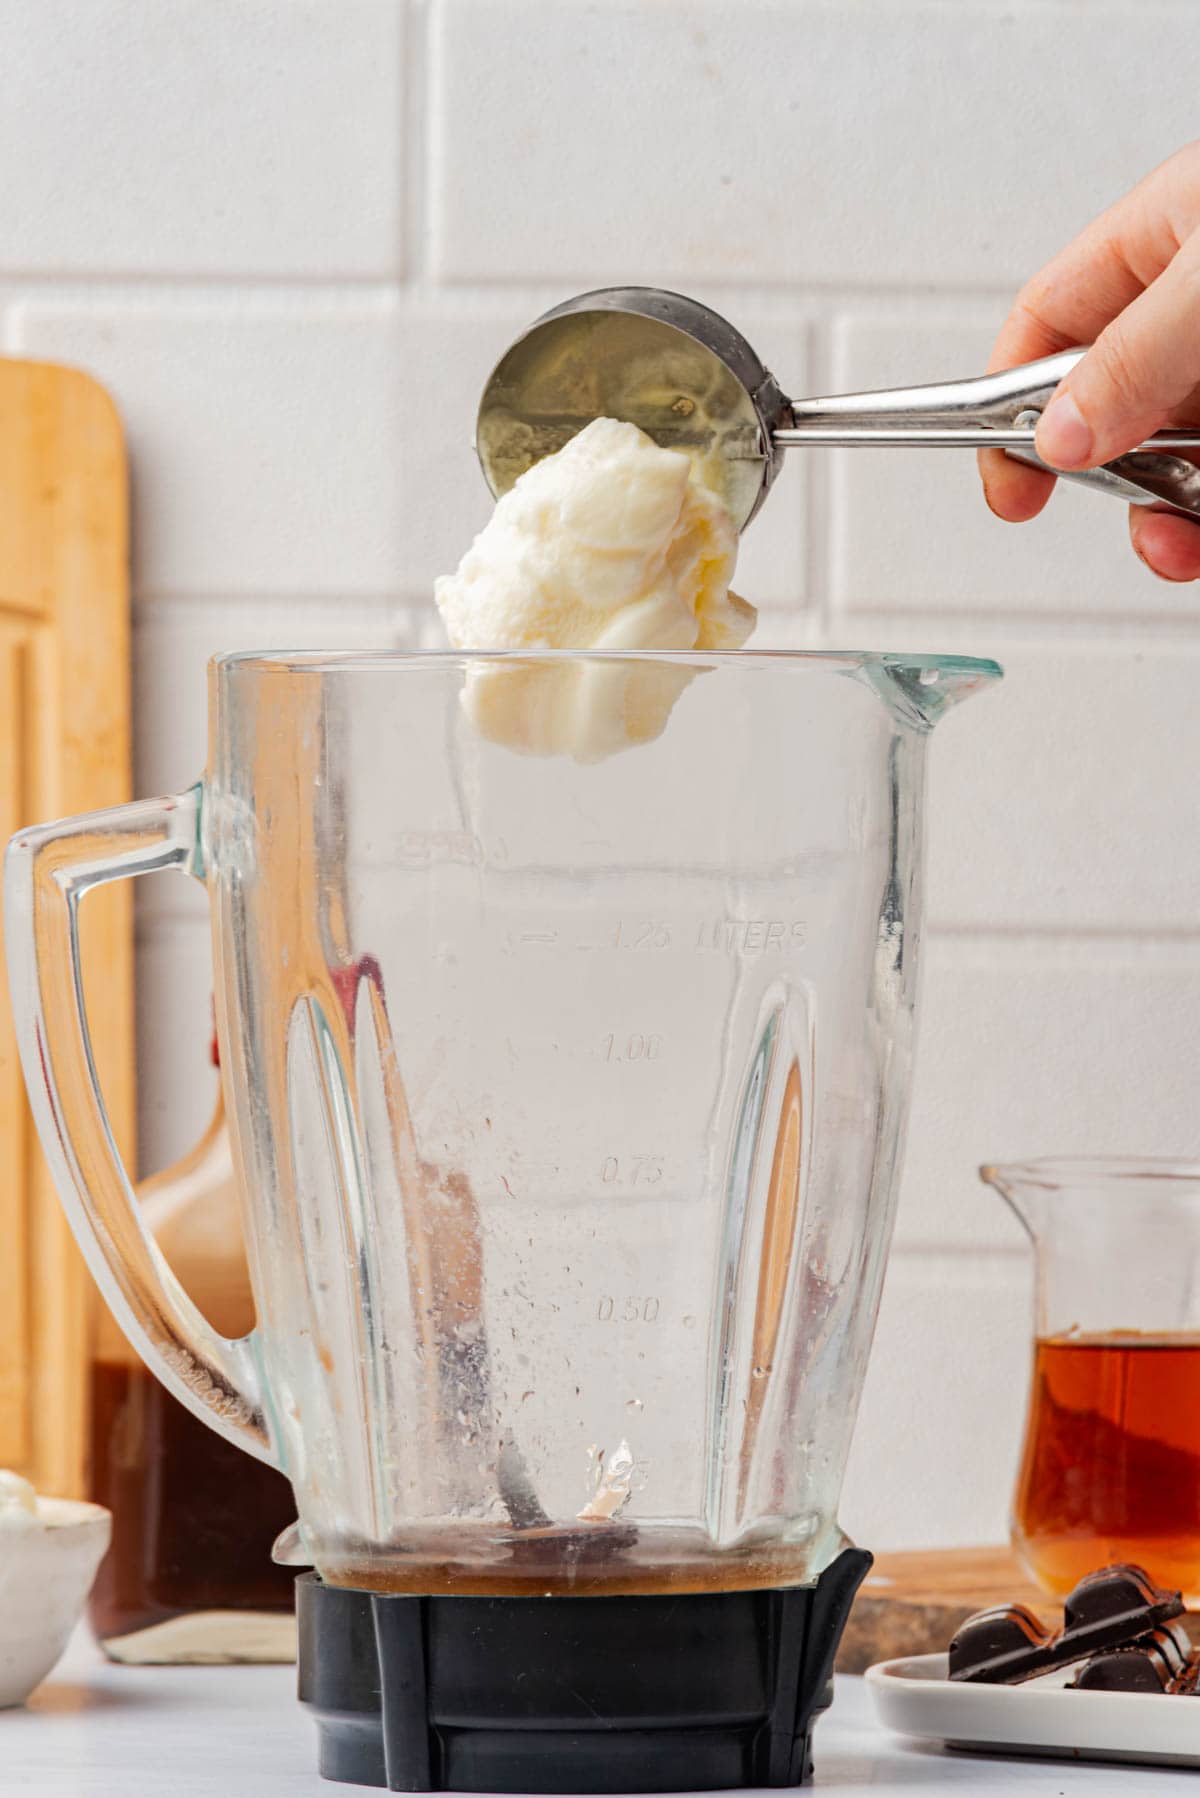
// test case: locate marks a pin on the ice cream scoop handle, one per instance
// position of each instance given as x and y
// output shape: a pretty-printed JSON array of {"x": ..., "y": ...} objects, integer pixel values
[{"x": 996, "y": 411}]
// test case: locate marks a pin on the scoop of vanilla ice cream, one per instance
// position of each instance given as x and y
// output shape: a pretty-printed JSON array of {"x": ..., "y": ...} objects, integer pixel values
[{"x": 610, "y": 544}]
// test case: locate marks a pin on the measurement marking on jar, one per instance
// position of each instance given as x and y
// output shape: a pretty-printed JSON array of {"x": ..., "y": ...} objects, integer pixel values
[
  {"x": 638, "y": 1046},
  {"x": 632, "y": 1170},
  {"x": 720, "y": 935},
  {"x": 627, "y": 1310},
  {"x": 751, "y": 936},
  {"x": 649, "y": 934}
]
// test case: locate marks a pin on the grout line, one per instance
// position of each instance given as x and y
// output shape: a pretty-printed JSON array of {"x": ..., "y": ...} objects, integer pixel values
[
  {"x": 790, "y": 300},
  {"x": 1143, "y": 942},
  {"x": 432, "y": 51},
  {"x": 73, "y": 284},
  {"x": 417, "y": 89},
  {"x": 1105, "y": 634},
  {"x": 151, "y": 607},
  {"x": 1072, "y": 632},
  {"x": 8, "y": 319},
  {"x": 1076, "y": 935},
  {"x": 921, "y": 1248},
  {"x": 991, "y": 618},
  {"x": 994, "y": 291},
  {"x": 166, "y": 920},
  {"x": 817, "y": 563},
  {"x": 984, "y": 1266},
  {"x": 1145, "y": 950},
  {"x": 831, "y": 479}
]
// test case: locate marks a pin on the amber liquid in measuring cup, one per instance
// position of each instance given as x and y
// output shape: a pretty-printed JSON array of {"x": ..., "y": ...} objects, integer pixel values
[{"x": 1111, "y": 1468}]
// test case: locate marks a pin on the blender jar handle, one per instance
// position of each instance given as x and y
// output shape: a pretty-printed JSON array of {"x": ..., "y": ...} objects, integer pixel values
[{"x": 49, "y": 870}]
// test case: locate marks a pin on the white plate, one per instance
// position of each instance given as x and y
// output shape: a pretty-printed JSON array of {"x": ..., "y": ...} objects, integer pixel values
[{"x": 915, "y": 1698}]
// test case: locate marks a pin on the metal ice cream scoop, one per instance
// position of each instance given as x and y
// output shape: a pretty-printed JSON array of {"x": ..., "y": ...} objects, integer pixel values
[{"x": 692, "y": 382}]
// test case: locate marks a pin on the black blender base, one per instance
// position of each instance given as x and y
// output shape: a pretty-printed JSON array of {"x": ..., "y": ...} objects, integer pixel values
[{"x": 697, "y": 1692}]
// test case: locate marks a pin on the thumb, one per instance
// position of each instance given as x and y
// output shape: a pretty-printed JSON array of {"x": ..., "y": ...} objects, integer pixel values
[{"x": 1145, "y": 363}]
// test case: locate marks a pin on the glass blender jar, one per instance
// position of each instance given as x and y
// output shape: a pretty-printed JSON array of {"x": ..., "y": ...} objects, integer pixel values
[{"x": 567, "y": 1100}]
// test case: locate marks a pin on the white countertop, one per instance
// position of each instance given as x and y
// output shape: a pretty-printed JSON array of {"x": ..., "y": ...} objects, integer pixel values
[{"x": 99, "y": 1731}]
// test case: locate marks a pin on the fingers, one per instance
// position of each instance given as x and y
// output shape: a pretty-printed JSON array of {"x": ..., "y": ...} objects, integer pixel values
[
  {"x": 1097, "y": 275},
  {"x": 1013, "y": 490},
  {"x": 1057, "y": 310},
  {"x": 1169, "y": 546},
  {"x": 1142, "y": 366},
  {"x": 1071, "y": 301}
]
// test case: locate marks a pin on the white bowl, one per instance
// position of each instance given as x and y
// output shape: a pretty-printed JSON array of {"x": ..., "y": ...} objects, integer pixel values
[{"x": 48, "y": 1560}]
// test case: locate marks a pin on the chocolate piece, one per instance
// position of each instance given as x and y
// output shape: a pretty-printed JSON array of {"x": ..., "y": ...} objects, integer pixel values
[
  {"x": 1108, "y": 1609},
  {"x": 1157, "y": 1662},
  {"x": 1002, "y": 1643},
  {"x": 1121, "y": 1598}
]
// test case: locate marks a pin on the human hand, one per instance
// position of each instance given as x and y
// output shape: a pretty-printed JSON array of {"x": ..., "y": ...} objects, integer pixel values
[{"x": 1130, "y": 286}]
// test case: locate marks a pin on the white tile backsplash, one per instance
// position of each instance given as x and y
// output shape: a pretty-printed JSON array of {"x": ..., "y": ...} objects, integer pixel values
[
  {"x": 177, "y": 1086},
  {"x": 293, "y": 236},
  {"x": 173, "y": 640},
  {"x": 934, "y": 1459},
  {"x": 800, "y": 141},
  {"x": 218, "y": 138},
  {"x": 1059, "y": 801},
  {"x": 172, "y": 643},
  {"x": 265, "y": 437},
  {"x": 1035, "y": 1046}
]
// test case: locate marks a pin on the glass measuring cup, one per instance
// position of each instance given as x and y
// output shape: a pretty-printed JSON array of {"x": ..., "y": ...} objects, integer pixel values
[
  {"x": 567, "y": 1100},
  {"x": 1110, "y": 1469}
]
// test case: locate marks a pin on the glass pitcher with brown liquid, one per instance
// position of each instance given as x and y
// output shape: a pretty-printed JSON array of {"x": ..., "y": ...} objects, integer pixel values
[
  {"x": 189, "y": 1574},
  {"x": 1110, "y": 1469}
]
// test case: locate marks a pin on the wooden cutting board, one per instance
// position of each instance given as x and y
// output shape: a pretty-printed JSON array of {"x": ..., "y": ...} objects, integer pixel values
[
  {"x": 64, "y": 747},
  {"x": 912, "y": 1603}
]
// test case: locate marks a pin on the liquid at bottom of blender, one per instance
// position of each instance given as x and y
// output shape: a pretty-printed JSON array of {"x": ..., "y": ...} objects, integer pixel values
[
  {"x": 597, "y": 1560},
  {"x": 194, "y": 1517},
  {"x": 1111, "y": 1469}
]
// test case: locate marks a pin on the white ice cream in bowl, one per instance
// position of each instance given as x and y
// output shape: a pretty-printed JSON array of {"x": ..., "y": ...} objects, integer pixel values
[
  {"x": 50, "y": 1549},
  {"x": 609, "y": 545}
]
